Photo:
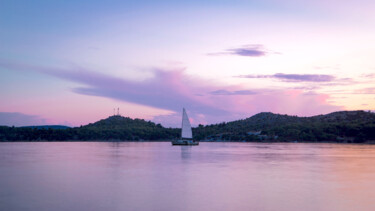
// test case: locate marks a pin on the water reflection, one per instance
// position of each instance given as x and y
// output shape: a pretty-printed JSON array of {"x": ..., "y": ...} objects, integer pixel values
[
  {"x": 186, "y": 152},
  {"x": 211, "y": 176}
]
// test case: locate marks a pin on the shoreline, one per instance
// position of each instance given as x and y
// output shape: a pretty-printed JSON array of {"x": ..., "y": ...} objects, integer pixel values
[{"x": 370, "y": 142}]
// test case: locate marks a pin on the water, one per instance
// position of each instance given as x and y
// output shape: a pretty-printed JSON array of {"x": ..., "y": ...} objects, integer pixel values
[{"x": 211, "y": 176}]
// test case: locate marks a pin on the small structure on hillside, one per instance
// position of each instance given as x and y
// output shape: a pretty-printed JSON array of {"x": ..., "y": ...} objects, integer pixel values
[{"x": 255, "y": 133}]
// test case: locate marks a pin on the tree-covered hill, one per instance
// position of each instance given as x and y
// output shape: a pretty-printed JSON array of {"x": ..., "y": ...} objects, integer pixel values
[
  {"x": 125, "y": 128},
  {"x": 111, "y": 128},
  {"x": 343, "y": 126}
]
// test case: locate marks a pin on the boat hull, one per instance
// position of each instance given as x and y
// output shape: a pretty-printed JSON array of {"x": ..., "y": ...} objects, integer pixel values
[{"x": 185, "y": 142}]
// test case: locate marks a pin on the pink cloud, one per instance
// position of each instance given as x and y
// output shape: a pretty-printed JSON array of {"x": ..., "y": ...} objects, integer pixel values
[{"x": 206, "y": 101}]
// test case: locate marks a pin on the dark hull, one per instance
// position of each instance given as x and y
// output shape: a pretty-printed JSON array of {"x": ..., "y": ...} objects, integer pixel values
[{"x": 185, "y": 143}]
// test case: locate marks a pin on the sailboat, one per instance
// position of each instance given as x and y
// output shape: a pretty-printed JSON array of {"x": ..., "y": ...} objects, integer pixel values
[{"x": 186, "y": 133}]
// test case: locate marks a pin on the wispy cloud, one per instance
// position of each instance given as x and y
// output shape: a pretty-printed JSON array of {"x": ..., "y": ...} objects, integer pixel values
[
  {"x": 206, "y": 100},
  {"x": 20, "y": 119},
  {"x": 370, "y": 90},
  {"x": 295, "y": 77},
  {"x": 371, "y": 75},
  {"x": 255, "y": 50},
  {"x": 236, "y": 92}
]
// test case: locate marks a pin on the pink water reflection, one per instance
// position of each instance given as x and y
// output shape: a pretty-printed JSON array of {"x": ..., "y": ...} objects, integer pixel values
[{"x": 213, "y": 176}]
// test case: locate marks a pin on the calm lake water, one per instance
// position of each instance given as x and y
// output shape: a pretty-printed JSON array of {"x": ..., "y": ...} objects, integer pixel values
[{"x": 212, "y": 176}]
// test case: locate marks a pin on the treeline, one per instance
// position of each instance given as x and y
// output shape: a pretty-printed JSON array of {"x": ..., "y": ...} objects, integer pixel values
[
  {"x": 112, "y": 128},
  {"x": 345, "y": 126}
]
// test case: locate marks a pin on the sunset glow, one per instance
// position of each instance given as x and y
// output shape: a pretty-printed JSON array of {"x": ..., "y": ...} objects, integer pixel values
[{"x": 72, "y": 62}]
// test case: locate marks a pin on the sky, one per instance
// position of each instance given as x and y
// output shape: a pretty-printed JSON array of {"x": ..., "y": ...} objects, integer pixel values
[{"x": 72, "y": 62}]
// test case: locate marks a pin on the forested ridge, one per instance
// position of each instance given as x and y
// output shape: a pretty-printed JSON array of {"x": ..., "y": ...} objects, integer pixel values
[{"x": 343, "y": 126}]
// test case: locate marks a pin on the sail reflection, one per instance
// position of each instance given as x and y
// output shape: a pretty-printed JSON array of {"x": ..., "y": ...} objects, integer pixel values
[{"x": 186, "y": 152}]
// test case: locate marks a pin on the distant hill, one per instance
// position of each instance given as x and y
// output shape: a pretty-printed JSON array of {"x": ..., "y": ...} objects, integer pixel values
[
  {"x": 349, "y": 126},
  {"x": 112, "y": 128},
  {"x": 120, "y": 122},
  {"x": 47, "y": 127},
  {"x": 124, "y": 128},
  {"x": 343, "y": 126}
]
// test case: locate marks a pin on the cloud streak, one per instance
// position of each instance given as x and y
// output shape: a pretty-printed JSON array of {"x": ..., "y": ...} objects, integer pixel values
[
  {"x": 20, "y": 119},
  {"x": 237, "y": 92},
  {"x": 369, "y": 91},
  {"x": 371, "y": 75},
  {"x": 255, "y": 50},
  {"x": 295, "y": 77}
]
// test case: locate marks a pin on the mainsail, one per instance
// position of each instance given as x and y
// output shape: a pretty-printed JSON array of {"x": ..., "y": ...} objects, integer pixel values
[{"x": 186, "y": 127}]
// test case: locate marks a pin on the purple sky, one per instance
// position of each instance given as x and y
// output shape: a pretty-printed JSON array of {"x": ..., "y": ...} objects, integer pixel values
[{"x": 72, "y": 62}]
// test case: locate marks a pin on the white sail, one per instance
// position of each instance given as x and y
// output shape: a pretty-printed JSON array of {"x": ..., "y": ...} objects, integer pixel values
[{"x": 186, "y": 127}]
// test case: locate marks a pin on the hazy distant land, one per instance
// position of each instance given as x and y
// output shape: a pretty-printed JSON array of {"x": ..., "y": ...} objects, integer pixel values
[{"x": 341, "y": 127}]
